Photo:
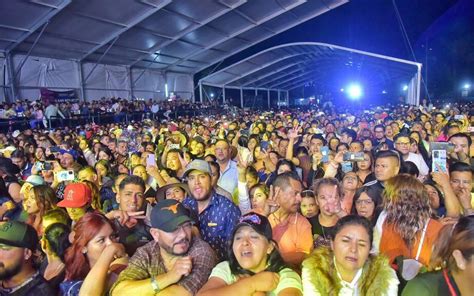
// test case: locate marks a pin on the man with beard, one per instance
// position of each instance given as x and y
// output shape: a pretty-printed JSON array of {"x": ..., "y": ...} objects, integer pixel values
[
  {"x": 18, "y": 242},
  {"x": 175, "y": 263},
  {"x": 217, "y": 215}
]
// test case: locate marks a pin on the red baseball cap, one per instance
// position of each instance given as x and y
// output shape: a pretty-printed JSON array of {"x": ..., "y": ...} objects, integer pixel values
[{"x": 76, "y": 195}]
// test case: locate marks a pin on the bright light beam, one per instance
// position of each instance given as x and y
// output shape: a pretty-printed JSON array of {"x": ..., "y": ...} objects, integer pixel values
[{"x": 354, "y": 91}]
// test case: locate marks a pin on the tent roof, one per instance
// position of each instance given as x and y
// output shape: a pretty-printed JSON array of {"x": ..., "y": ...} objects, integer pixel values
[
  {"x": 176, "y": 35},
  {"x": 292, "y": 65}
]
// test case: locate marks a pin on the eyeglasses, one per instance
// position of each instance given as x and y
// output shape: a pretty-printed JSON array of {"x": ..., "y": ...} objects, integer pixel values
[{"x": 402, "y": 143}]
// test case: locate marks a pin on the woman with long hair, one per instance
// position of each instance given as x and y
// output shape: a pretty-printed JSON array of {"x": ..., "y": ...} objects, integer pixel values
[
  {"x": 365, "y": 168},
  {"x": 94, "y": 259},
  {"x": 454, "y": 254},
  {"x": 254, "y": 265},
  {"x": 405, "y": 228},
  {"x": 347, "y": 268},
  {"x": 38, "y": 200}
]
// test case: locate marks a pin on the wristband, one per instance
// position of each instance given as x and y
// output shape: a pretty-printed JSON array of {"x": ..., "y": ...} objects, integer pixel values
[{"x": 154, "y": 285}]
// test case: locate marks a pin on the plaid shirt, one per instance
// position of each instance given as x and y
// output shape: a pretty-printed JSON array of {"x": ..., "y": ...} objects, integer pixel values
[{"x": 147, "y": 262}]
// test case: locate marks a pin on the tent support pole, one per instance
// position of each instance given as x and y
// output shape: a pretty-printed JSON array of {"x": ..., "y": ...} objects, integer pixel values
[
  {"x": 81, "y": 80},
  {"x": 100, "y": 59},
  {"x": 11, "y": 83},
  {"x": 30, "y": 50}
]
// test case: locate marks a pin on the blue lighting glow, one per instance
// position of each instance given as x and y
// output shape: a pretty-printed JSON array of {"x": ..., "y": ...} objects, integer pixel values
[
  {"x": 405, "y": 87},
  {"x": 354, "y": 91}
]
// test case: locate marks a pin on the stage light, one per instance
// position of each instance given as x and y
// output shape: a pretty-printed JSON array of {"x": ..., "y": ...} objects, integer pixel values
[
  {"x": 354, "y": 91},
  {"x": 405, "y": 87},
  {"x": 212, "y": 95},
  {"x": 384, "y": 91},
  {"x": 466, "y": 86},
  {"x": 166, "y": 89},
  {"x": 342, "y": 90}
]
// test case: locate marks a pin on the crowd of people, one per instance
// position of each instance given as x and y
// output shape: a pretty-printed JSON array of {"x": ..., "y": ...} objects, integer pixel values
[
  {"x": 40, "y": 113},
  {"x": 321, "y": 201}
]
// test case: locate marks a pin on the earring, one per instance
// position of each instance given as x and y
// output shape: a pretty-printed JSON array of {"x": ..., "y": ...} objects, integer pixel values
[{"x": 84, "y": 251}]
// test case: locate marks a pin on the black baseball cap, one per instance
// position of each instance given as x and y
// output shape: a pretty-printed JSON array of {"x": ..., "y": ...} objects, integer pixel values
[
  {"x": 18, "y": 234},
  {"x": 258, "y": 222},
  {"x": 168, "y": 215}
]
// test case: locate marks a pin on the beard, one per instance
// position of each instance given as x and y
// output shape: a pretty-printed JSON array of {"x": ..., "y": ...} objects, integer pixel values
[
  {"x": 7, "y": 273},
  {"x": 170, "y": 249}
]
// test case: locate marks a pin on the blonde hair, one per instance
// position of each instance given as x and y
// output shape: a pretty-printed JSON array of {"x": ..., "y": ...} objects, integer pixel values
[
  {"x": 95, "y": 195},
  {"x": 406, "y": 202}
]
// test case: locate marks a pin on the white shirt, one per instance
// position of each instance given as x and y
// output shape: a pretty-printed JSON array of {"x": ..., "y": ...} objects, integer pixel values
[
  {"x": 420, "y": 163},
  {"x": 155, "y": 108},
  {"x": 229, "y": 177}
]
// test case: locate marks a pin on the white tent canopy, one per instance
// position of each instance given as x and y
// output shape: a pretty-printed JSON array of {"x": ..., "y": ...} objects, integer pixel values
[
  {"x": 132, "y": 47},
  {"x": 288, "y": 66}
]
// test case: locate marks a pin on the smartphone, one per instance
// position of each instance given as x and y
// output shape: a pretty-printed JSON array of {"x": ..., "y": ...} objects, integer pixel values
[
  {"x": 54, "y": 149},
  {"x": 245, "y": 154},
  {"x": 264, "y": 145},
  {"x": 151, "y": 160},
  {"x": 174, "y": 146},
  {"x": 65, "y": 176},
  {"x": 459, "y": 117},
  {"x": 353, "y": 156},
  {"x": 346, "y": 166},
  {"x": 325, "y": 153},
  {"x": 47, "y": 166},
  {"x": 448, "y": 147},
  {"x": 439, "y": 161},
  {"x": 39, "y": 166}
]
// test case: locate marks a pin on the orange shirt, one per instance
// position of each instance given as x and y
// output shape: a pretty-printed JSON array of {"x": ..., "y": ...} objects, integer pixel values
[
  {"x": 392, "y": 245},
  {"x": 293, "y": 236}
]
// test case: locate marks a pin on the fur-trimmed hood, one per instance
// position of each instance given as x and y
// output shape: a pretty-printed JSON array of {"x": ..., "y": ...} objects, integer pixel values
[{"x": 322, "y": 274}]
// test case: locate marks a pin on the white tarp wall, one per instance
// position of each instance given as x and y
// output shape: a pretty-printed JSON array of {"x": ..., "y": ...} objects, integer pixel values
[{"x": 105, "y": 81}]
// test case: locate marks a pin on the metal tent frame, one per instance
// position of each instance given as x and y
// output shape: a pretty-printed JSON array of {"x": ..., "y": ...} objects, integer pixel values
[{"x": 289, "y": 66}]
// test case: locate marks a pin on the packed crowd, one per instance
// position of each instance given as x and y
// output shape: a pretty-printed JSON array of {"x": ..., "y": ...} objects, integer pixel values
[
  {"x": 293, "y": 202},
  {"x": 39, "y": 112}
]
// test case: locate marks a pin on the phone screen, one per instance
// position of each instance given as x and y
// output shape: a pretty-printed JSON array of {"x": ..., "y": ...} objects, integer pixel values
[
  {"x": 325, "y": 153},
  {"x": 150, "y": 160}
]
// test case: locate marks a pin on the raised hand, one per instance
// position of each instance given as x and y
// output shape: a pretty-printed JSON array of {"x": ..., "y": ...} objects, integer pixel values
[
  {"x": 293, "y": 133},
  {"x": 271, "y": 204}
]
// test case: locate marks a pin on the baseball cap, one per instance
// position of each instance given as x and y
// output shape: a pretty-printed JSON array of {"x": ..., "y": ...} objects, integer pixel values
[
  {"x": 72, "y": 152},
  {"x": 197, "y": 164},
  {"x": 168, "y": 214},
  {"x": 18, "y": 234},
  {"x": 173, "y": 182},
  {"x": 76, "y": 195},
  {"x": 258, "y": 222},
  {"x": 35, "y": 180}
]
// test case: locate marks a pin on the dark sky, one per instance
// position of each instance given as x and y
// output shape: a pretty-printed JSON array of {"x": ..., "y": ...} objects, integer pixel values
[{"x": 446, "y": 26}]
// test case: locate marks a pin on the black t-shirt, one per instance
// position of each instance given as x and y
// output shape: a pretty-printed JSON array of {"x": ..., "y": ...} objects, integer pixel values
[
  {"x": 36, "y": 286},
  {"x": 321, "y": 234}
]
